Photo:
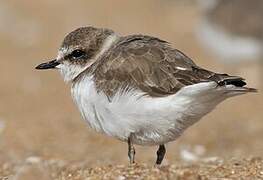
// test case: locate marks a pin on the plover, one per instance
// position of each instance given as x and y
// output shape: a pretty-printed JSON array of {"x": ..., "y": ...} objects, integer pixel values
[{"x": 138, "y": 88}]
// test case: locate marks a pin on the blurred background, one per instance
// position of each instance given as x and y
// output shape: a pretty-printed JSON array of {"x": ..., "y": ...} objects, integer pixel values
[{"x": 39, "y": 118}]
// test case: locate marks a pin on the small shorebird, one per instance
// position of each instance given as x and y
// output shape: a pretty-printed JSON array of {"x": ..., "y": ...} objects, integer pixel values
[{"x": 138, "y": 88}]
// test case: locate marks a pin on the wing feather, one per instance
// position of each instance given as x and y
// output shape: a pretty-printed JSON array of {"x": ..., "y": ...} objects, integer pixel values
[{"x": 150, "y": 65}]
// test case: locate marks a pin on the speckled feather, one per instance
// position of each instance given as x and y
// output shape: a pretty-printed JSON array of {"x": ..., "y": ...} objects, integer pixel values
[{"x": 150, "y": 65}]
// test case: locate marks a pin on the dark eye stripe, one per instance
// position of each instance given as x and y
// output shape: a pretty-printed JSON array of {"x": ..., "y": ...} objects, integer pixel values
[{"x": 78, "y": 53}]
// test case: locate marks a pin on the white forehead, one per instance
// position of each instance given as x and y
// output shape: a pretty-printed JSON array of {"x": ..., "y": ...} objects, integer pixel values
[
  {"x": 62, "y": 52},
  {"x": 69, "y": 71}
]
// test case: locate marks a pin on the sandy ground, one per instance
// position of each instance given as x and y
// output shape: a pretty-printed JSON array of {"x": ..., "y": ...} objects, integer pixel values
[
  {"x": 40, "y": 125},
  {"x": 250, "y": 168}
]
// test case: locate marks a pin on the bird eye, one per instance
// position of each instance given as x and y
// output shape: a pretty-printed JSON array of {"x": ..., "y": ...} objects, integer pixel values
[{"x": 77, "y": 53}]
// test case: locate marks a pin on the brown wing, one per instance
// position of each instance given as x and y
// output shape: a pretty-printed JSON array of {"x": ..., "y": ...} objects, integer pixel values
[{"x": 148, "y": 64}]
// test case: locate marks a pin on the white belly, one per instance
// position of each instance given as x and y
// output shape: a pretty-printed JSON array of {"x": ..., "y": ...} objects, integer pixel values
[{"x": 152, "y": 121}]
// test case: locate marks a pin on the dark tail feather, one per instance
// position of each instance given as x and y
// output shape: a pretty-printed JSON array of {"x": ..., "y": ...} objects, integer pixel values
[
  {"x": 228, "y": 80},
  {"x": 238, "y": 82},
  {"x": 223, "y": 80}
]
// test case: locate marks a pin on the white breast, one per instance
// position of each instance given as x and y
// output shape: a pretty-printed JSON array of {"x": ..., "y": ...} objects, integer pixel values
[{"x": 151, "y": 120}]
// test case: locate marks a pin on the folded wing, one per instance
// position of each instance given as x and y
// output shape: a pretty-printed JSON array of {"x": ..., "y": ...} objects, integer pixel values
[{"x": 151, "y": 65}]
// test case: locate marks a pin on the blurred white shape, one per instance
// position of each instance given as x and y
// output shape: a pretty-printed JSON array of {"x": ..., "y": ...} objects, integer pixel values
[
  {"x": 212, "y": 159},
  {"x": 228, "y": 46},
  {"x": 121, "y": 178},
  {"x": 232, "y": 29},
  {"x": 197, "y": 153},
  {"x": 31, "y": 171},
  {"x": 20, "y": 30},
  {"x": 192, "y": 154},
  {"x": 56, "y": 162},
  {"x": 33, "y": 160},
  {"x": 188, "y": 156}
]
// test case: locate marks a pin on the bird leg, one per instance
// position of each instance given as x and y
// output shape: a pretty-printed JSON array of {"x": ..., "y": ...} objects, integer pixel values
[
  {"x": 131, "y": 150},
  {"x": 160, "y": 154}
]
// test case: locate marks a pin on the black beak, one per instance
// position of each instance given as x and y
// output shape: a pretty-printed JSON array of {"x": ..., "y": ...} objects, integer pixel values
[{"x": 48, "y": 65}]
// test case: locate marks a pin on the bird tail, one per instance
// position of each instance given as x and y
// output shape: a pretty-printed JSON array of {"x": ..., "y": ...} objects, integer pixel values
[
  {"x": 229, "y": 83},
  {"x": 238, "y": 83}
]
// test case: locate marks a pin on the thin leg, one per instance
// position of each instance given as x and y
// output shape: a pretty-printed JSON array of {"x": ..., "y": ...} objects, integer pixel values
[
  {"x": 160, "y": 154},
  {"x": 131, "y": 150}
]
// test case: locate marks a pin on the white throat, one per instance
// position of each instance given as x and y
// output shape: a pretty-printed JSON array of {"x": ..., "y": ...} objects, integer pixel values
[{"x": 70, "y": 71}]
